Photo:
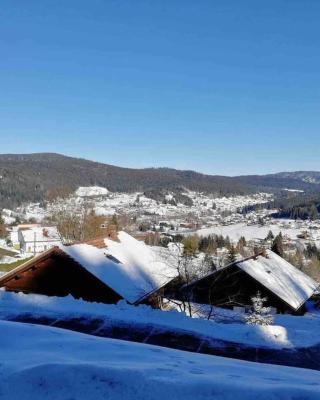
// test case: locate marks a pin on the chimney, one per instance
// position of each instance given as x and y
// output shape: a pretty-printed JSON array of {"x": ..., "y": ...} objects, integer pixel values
[
  {"x": 45, "y": 232},
  {"x": 112, "y": 233}
]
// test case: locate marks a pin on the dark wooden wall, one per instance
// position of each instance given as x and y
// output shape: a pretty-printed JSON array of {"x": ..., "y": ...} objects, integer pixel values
[
  {"x": 231, "y": 287},
  {"x": 59, "y": 275}
]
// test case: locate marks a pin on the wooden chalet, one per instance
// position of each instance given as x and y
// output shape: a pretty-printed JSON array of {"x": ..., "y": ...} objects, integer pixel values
[
  {"x": 103, "y": 271},
  {"x": 286, "y": 288}
]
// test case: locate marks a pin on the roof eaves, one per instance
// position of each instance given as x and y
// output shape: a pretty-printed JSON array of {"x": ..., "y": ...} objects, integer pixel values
[
  {"x": 146, "y": 295},
  {"x": 28, "y": 264}
]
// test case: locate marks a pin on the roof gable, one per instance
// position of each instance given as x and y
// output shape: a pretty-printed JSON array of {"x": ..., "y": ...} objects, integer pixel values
[
  {"x": 128, "y": 266},
  {"x": 284, "y": 280},
  {"x": 41, "y": 234}
]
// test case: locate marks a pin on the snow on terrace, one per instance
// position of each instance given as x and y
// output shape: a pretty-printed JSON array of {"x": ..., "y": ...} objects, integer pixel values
[
  {"x": 40, "y": 362},
  {"x": 287, "y": 332},
  {"x": 287, "y": 282},
  {"x": 129, "y": 266}
]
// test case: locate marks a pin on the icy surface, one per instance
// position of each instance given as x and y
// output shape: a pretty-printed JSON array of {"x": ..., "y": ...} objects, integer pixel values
[{"x": 42, "y": 363}]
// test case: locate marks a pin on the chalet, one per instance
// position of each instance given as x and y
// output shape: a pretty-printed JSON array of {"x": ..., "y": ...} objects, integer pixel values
[
  {"x": 286, "y": 287},
  {"x": 38, "y": 239},
  {"x": 14, "y": 233},
  {"x": 103, "y": 270}
]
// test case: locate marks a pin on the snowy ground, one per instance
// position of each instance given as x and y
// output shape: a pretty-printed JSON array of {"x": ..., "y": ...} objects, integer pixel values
[
  {"x": 251, "y": 232},
  {"x": 11, "y": 260},
  {"x": 287, "y": 332},
  {"x": 39, "y": 362}
]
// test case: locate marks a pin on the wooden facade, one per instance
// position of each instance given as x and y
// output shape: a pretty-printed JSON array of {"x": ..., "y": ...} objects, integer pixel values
[
  {"x": 54, "y": 273},
  {"x": 231, "y": 287}
]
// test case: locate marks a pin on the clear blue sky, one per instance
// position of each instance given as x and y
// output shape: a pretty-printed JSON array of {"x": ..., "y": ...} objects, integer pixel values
[{"x": 223, "y": 87}]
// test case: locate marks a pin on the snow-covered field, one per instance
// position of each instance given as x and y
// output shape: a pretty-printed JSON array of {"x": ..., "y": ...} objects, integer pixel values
[
  {"x": 251, "y": 232},
  {"x": 287, "y": 332},
  {"x": 39, "y": 363}
]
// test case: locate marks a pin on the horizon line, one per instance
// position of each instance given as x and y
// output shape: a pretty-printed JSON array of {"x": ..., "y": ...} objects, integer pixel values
[{"x": 157, "y": 167}]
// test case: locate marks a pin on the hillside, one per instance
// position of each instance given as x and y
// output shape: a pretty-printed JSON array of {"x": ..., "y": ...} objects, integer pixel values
[
  {"x": 299, "y": 180},
  {"x": 28, "y": 177}
]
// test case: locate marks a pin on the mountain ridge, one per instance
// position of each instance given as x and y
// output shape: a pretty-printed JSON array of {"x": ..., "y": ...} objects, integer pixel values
[
  {"x": 28, "y": 177},
  {"x": 42, "y": 155}
]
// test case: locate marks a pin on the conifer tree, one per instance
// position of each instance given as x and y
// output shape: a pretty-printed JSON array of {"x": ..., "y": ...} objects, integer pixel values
[
  {"x": 242, "y": 241},
  {"x": 232, "y": 256},
  {"x": 270, "y": 236},
  {"x": 277, "y": 245},
  {"x": 260, "y": 315},
  {"x": 314, "y": 212},
  {"x": 3, "y": 230},
  {"x": 115, "y": 222},
  {"x": 191, "y": 245},
  {"x": 241, "y": 245}
]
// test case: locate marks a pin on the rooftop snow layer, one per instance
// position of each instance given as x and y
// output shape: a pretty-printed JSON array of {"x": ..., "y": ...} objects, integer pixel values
[
  {"x": 41, "y": 234},
  {"x": 283, "y": 279},
  {"x": 129, "y": 266}
]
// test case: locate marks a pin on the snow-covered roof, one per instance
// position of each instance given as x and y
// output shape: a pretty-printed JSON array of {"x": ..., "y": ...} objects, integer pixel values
[
  {"x": 280, "y": 277},
  {"x": 129, "y": 266},
  {"x": 41, "y": 234}
]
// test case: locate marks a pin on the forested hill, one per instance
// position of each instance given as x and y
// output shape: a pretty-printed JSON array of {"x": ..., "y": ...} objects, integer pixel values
[
  {"x": 301, "y": 180},
  {"x": 26, "y": 178}
]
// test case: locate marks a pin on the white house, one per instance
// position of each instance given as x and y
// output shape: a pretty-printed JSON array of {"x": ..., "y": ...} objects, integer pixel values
[
  {"x": 37, "y": 240},
  {"x": 14, "y": 238}
]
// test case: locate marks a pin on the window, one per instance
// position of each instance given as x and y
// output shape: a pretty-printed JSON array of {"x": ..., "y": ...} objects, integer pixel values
[{"x": 113, "y": 258}]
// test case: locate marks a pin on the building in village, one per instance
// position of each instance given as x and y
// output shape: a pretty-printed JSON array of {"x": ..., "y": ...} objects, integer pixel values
[
  {"x": 14, "y": 238},
  {"x": 38, "y": 239},
  {"x": 14, "y": 233},
  {"x": 102, "y": 270},
  {"x": 287, "y": 289}
]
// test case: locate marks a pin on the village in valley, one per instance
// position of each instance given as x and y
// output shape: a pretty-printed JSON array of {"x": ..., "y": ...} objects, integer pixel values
[
  {"x": 217, "y": 268},
  {"x": 88, "y": 213},
  {"x": 212, "y": 275}
]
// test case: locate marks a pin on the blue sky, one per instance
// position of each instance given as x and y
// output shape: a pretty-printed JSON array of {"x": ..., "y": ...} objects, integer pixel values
[{"x": 222, "y": 87}]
